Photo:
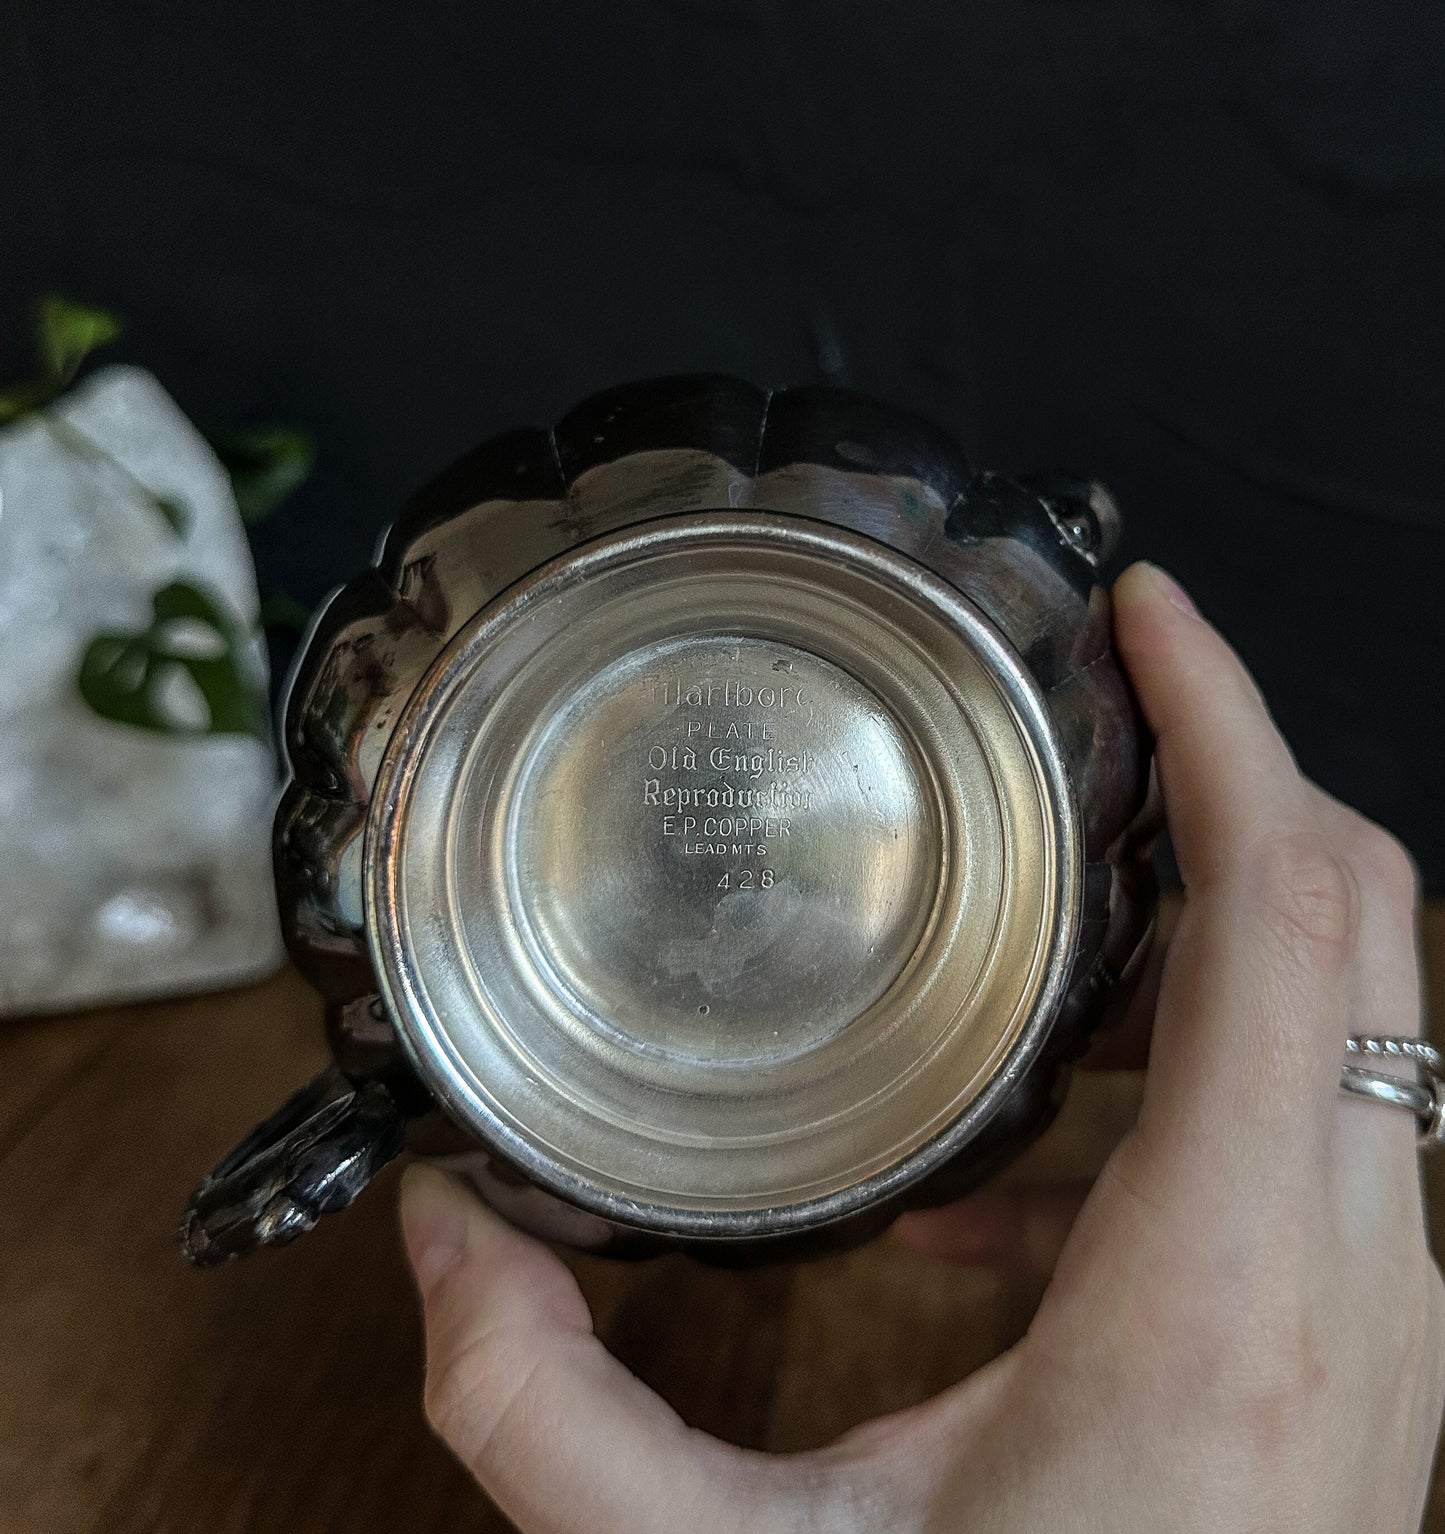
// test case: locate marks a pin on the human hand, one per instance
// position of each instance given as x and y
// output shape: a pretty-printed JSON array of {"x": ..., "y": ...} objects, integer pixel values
[{"x": 1244, "y": 1329}]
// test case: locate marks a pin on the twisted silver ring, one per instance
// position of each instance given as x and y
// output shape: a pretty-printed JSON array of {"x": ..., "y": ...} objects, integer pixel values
[{"x": 1424, "y": 1097}]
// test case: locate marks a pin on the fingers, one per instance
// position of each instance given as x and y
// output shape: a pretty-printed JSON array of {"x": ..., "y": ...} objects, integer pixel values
[
  {"x": 1298, "y": 928},
  {"x": 1387, "y": 996},
  {"x": 1227, "y": 778},
  {"x": 1122, "y": 1043},
  {"x": 1014, "y": 1228},
  {"x": 1254, "y": 995},
  {"x": 1374, "y": 1148},
  {"x": 556, "y": 1430}
]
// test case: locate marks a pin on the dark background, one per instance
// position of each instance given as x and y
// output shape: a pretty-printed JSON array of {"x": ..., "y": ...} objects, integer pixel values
[{"x": 1194, "y": 249}]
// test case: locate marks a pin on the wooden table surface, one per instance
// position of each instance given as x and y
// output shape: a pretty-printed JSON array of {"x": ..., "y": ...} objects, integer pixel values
[{"x": 283, "y": 1393}]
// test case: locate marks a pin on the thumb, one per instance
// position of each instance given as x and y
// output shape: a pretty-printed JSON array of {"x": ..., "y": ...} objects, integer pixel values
[{"x": 559, "y": 1433}]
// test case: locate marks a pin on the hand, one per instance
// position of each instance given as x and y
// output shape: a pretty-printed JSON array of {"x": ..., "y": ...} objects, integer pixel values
[{"x": 1244, "y": 1329}]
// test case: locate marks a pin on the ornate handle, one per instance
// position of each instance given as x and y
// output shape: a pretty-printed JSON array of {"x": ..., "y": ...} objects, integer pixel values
[{"x": 311, "y": 1157}]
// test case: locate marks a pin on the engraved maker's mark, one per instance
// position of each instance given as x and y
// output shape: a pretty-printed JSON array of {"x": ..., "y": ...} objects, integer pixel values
[
  {"x": 675, "y": 693},
  {"x": 728, "y": 776}
]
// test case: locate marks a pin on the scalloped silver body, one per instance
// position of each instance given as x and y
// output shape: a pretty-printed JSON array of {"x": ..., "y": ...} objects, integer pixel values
[{"x": 453, "y": 751}]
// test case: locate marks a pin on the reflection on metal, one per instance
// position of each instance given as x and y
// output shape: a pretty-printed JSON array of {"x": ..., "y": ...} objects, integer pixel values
[
  {"x": 732, "y": 801},
  {"x": 311, "y": 1157}
]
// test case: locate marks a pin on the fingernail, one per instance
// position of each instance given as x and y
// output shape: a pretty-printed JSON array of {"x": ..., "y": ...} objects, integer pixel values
[
  {"x": 433, "y": 1222},
  {"x": 1176, "y": 594}
]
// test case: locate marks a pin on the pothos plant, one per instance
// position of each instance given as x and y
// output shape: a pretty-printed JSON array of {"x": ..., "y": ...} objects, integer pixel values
[{"x": 121, "y": 675}]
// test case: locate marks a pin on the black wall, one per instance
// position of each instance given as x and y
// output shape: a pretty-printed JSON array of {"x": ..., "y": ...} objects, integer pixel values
[{"x": 1195, "y": 249}]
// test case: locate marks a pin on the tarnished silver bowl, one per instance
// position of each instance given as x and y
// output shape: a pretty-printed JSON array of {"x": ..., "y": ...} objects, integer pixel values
[{"x": 715, "y": 822}]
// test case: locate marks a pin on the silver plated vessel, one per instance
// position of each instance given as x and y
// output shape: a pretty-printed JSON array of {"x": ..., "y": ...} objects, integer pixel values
[{"x": 716, "y": 821}]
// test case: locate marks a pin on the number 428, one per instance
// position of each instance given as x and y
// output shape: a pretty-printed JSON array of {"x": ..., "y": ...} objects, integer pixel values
[{"x": 746, "y": 879}]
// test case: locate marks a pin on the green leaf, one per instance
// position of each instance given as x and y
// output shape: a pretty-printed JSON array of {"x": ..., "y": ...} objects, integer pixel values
[
  {"x": 279, "y": 610},
  {"x": 267, "y": 464},
  {"x": 192, "y": 648},
  {"x": 67, "y": 332},
  {"x": 21, "y": 399}
]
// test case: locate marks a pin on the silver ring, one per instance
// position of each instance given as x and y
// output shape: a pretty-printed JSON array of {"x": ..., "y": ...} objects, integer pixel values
[{"x": 1424, "y": 1097}]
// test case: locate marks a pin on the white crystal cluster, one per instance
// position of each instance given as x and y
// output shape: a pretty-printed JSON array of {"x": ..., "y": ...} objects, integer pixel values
[{"x": 132, "y": 863}]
